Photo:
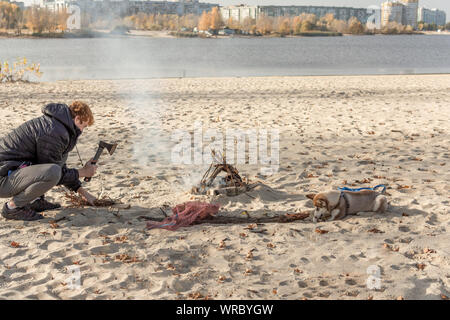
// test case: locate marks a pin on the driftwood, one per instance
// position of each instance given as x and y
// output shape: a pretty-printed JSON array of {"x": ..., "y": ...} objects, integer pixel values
[{"x": 249, "y": 220}]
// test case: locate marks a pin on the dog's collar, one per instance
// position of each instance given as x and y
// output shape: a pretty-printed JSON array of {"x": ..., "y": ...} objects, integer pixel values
[{"x": 347, "y": 203}]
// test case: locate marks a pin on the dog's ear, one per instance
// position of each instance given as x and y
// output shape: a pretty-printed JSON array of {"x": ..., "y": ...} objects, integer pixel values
[{"x": 311, "y": 196}]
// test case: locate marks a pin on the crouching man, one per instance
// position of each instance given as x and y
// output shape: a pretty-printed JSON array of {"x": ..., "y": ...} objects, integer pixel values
[{"x": 33, "y": 160}]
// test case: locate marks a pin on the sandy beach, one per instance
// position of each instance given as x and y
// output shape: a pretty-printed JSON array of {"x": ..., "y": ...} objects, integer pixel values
[{"x": 354, "y": 131}]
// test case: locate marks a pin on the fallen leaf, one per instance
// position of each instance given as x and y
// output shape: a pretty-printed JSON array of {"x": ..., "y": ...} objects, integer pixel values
[
  {"x": 195, "y": 295},
  {"x": 126, "y": 258},
  {"x": 170, "y": 267},
  {"x": 320, "y": 231},
  {"x": 222, "y": 278},
  {"x": 15, "y": 244},
  {"x": 242, "y": 235},
  {"x": 375, "y": 230},
  {"x": 54, "y": 225},
  {"x": 274, "y": 291},
  {"x": 427, "y": 250},
  {"x": 249, "y": 255},
  {"x": 444, "y": 297},
  {"x": 270, "y": 245},
  {"x": 297, "y": 270},
  {"x": 121, "y": 239},
  {"x": 420, "y": 266}
]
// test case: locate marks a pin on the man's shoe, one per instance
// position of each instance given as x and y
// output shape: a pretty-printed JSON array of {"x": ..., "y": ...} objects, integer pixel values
[
  {"x": 23, "y": 213},
  {"x": 41, "y": 205}
]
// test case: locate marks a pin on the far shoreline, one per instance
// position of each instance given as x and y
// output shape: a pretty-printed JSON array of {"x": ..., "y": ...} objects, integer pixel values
[
  {"x": 374, "y": 75},
  {"x": 177, "y": 35}
]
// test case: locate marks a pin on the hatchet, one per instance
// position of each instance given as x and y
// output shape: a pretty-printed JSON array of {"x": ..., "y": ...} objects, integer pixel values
[{"x": 111, "y": 147}]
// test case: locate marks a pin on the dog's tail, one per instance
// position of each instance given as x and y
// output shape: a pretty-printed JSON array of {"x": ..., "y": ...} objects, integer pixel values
[{"x": 379, "y": 186}]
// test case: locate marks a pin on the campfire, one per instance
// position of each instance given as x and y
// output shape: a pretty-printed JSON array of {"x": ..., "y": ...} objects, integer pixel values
[{"x": 232, "y": 184}]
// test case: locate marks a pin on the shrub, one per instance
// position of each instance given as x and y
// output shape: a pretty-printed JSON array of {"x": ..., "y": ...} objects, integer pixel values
[{"x": 19, "y": 71}]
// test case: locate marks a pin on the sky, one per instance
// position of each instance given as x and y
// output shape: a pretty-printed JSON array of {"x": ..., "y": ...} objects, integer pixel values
[{"x": 440, "y": 4}]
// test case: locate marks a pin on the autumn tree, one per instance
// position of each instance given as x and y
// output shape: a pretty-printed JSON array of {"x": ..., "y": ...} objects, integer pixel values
[
  {"x": 232, "y": 23},
  {"x": 216, "y": 21},
  {"x": 204, "y": 22},
  {"x": 339, "y": 26},
  {"x": 61, "y": 19},
  {"x": 325, "y": 22},
  {"x": 189, "y": 21},
  {"x": 284, "y": 26},
  {"x": 306, "y": 26},
  {"x": 355, "y": 26},
  {"x": 264, "y": 24},
  {"x": 10, "y": 15},
  {"x": 297, "y": 24},
  {"x": 248, "y": 25}
]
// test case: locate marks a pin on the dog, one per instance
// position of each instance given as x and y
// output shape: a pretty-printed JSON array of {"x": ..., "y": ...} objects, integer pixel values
[{"x": 338, "y": 204}]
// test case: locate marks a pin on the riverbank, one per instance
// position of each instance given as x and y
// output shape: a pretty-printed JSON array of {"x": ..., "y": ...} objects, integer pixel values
[
  {"x": 181, "y": 34},
  {"x": 336, "y": 131}
]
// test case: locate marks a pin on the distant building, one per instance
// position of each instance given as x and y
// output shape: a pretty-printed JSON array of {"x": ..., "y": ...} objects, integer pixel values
[
  {"x": 431, "y": 16},
  {"x": 410, "y": 11},
  {"x": 391, "y": 12},
  {"x": 240, "y": 12}
]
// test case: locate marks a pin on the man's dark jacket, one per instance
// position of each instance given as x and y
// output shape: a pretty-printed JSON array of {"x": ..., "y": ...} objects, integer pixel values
[{"x": 46, "y": 139}]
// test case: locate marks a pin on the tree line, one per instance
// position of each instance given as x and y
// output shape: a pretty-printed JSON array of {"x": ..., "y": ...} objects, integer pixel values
[
  {"x": 40, "y": 20},
  {"x": 35, "y": 19}
]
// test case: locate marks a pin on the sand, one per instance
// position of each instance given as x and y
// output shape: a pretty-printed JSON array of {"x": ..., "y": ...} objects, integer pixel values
[{"x": 334, "y": 131}]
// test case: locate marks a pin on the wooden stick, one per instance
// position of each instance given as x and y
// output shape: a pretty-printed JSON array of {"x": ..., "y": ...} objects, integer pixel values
[{"x": 249, "y": 220}]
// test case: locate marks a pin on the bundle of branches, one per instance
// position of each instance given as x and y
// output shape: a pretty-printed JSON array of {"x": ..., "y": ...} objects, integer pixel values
[
  {"x": 78, "y": 201},
  {"x": 219, "y": 164}
]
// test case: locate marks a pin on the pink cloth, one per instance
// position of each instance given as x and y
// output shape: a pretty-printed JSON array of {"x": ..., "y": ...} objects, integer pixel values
[{"x": 186, "y": 214}]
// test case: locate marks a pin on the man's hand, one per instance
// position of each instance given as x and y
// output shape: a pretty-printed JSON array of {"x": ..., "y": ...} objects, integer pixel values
[
  {"x": 86, "y": 195},
  {"x": 88, "y": 170}
]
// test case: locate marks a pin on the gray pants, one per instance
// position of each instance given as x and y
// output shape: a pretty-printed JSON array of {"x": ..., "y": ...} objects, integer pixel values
[{"x": 29, "y": 183}]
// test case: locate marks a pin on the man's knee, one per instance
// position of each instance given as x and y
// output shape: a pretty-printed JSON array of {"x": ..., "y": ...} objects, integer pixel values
[{"x": 53, "y": 173}]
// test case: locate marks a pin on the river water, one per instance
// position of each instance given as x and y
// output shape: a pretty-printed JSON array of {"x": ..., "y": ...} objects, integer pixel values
[{"x": 143, "y": 57}]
